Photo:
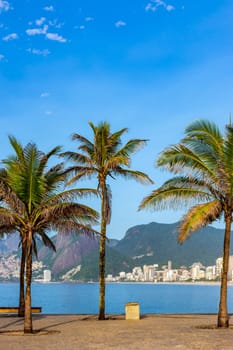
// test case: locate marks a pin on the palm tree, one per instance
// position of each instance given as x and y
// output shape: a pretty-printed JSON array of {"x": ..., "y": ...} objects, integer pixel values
[
  {"x": 48, "y": 243},
  {"x": 104, "y": 157},
  {"x": 34, "y": 204},
  {"x": 6, "y": 226},
  {"x": 203, "y": 166}
]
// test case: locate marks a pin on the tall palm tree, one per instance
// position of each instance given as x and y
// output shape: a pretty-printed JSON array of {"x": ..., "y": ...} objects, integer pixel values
[
  {"x": 104, "y": 157},
  {"x": 203, "y": 166},
  {"x": 35, "y": 204},
  {"x": 48, "y": 243},
  {"x": 6, "y": 226}
]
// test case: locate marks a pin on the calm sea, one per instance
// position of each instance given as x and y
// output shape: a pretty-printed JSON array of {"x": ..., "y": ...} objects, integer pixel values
[{"x": 66, "y": 298}]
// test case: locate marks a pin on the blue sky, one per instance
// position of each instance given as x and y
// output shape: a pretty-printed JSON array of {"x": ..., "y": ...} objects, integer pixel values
[{"x": 152, "y": 66}]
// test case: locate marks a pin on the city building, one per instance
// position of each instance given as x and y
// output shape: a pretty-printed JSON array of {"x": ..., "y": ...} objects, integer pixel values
[{"x": 47, "y": 276}]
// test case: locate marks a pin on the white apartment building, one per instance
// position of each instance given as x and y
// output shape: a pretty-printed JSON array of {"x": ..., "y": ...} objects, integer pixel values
[
  {"x": 210, "y": 273},
  {"x": 47, "y": 276},
  {"x": 197, "y": 272},
  {"x": 218, "y": 267},
  {"x": 149, "y": 272}
]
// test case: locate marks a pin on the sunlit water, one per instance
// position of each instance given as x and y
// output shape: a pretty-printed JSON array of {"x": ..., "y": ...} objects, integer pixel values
[{"x": 71, "y": 298}]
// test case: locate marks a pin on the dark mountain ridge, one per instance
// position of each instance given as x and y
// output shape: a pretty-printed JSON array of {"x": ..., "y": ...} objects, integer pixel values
[
  {"x": 157, "y": 243},
  {"x": 152, "y": 243}
]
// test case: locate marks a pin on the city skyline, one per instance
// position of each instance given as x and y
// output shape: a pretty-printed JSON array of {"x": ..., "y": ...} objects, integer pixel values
[{"x": 10, "y": 271}]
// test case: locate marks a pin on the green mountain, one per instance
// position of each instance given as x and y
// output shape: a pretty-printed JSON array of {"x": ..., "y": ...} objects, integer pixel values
[
  {"x": 154, "y": 243},
  {"x": 115, "y": 262},
  {"x": 157, "y": 243}
]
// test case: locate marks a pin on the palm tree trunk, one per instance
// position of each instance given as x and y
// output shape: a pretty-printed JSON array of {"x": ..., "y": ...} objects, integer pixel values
[
  {"x": 102, "y": 255},
  {"x": 28, "y": 311},
  {"x": 21, "y": 284},
  {"x": 223, "y": 318}
]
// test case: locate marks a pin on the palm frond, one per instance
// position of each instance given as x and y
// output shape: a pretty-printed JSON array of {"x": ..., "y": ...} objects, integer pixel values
[
  {"x": 114, "y": 140},
  {"x": 72, "y": 227},
  {"x": 199, "y": 216},
  {"x": 45, "y": 158},
  {"x": 172, "y": 197},
  {"x": 76, "y": 173},
  {"x": 46, "y": 240},
  {"x": 228, "y": 158},
  {"x": 9, "y": 197},
  {"x": 77, "y": 158},
  {"x": 66, "y": 211},
  {"x": 134, "y": 175},
  {"x": 205, "y": 132},
  {"x": 131, "y": 147},
  {"x": 83, "y": 140},
  {"x": 9, "y": 217},
  {"x": 69, "y": 196},
  {"x": 18, "y": 148},
  {"x": 34, "y": 247},
  {"x": 181, "y": 159}
]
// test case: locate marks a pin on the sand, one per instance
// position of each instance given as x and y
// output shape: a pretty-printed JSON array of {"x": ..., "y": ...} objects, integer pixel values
[{"x": 159, "y": 332}]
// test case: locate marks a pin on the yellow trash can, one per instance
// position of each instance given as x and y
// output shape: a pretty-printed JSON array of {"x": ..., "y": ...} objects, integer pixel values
[{"x": 132, "y": 311}]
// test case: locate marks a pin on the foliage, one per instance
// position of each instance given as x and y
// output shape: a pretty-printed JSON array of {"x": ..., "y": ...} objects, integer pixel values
[
  {"x": 115, "y": 262},
  {"x": 203, "y": 184},
  {"x": 34, "y": 204},
  {"x": 104, "y": 157}
]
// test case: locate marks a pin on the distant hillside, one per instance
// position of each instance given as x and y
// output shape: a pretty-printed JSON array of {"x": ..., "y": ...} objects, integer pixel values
[
  {"x": 157, "y": 243},
  {"x": 115, "y": 262},
  {"x": 142, "y": 244},
  {"x": 9, "y": 243},
  {"x": 70, "y": 251}
]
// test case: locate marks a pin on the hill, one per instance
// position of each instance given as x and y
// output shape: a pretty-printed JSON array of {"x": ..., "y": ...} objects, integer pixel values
[
  {"x": 142, "y": 244},
  {"x": 157, "y": 243}
]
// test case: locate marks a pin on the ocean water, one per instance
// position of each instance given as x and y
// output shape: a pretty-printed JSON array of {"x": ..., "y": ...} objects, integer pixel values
[{"x": 82, "y": 298}]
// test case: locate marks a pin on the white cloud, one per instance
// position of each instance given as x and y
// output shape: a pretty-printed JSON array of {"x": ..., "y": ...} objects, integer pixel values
[
  {"x": 11, "y": 36},
  {"x": 170, "y": 8},
  {"x": 2, "y": 57},
  {"x": 49, "y": 8},
  {"x": 56, "y": 24},
  {"x": 37, "y": 31},
  {"x": 4, "y": 6},
  {"x": 44, "y": 52},
  {"x": 119, "y": 24},
  {"x": 34, "y": 31},
  {"x": 40, "y": 21},
  {"x": 150, "y": 7},
  {"x": 45, "y": 94},
  {"x": 50, "y": 36},
  {"x": 153, "y": 5},
  {"x": 55, "y": 37},
  {"x": 89, "y": 19},
  {"x": 81, "y": 27}
]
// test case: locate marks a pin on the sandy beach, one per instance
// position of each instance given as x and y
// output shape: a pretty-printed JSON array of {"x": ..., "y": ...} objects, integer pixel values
[{"x": 160, "y": 332}]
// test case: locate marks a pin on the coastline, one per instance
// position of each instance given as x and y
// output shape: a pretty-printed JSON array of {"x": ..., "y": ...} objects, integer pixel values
[{"x": 193, "y": 283}]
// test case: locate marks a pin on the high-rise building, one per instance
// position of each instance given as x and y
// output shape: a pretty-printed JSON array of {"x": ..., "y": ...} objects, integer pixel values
[
  {"x": 149, "y": 272},
  {"x": 196, "y": 271},
  {"x": 218, "y": 267},
  {"x": 210, "y": 273},
  {"x": 47, "y": 276},
  {"x": 219, "y": 263}
]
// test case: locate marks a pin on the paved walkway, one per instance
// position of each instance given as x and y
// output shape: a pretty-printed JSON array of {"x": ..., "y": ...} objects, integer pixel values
[{"x": 154, "y": 332}]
